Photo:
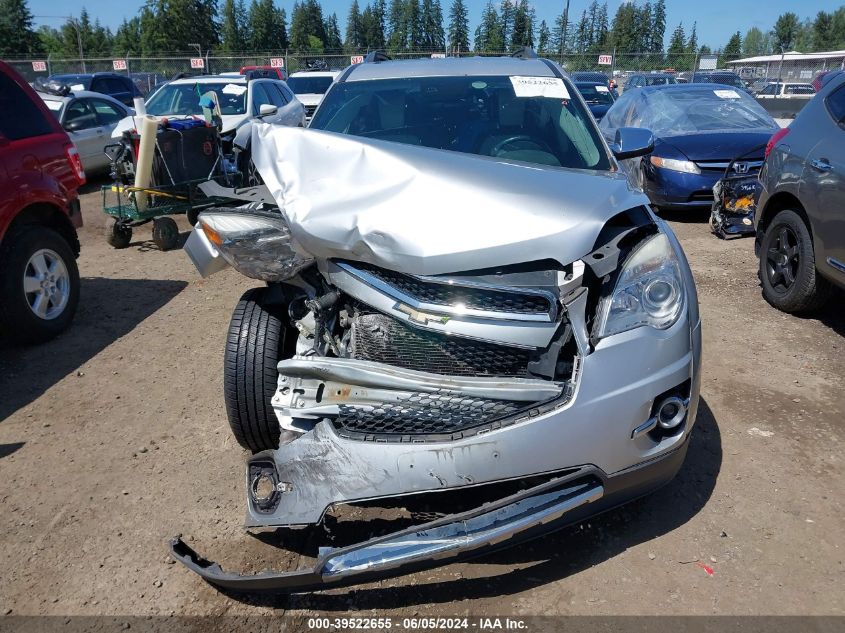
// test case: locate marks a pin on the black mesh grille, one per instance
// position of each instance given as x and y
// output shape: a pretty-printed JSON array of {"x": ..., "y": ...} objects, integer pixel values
[
  {"x": 447, "y": 295},
  {"x": 382, "y": 339},
  {"x": 309, "y": 110},
  {"x": 424, "y": 414}
]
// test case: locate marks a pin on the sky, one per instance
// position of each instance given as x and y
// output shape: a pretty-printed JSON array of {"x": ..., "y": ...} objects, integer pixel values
[{"x": 716, "y": 19}]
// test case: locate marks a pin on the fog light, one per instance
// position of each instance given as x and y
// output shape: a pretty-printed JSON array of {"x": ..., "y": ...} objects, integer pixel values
[
  {"x": 671, "y": 412},
  {"x": 263, "y": 489}
]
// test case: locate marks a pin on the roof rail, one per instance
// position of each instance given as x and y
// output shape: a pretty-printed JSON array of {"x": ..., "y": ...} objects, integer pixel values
[
  {"x": 374, "y": 57},
  {"x": 526, "y": 52}
]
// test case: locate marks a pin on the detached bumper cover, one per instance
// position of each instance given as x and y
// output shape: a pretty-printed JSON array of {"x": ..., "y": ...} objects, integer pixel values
[{"x": 531, "y": 513}]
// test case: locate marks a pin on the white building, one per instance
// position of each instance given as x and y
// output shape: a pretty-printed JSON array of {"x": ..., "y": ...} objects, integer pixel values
[{"x": 791, "y": 66}]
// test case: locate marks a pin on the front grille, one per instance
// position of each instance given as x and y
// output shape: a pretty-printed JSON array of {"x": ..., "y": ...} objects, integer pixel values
[
  {"x": 441, "y": 294},
  {"x": 424, "y": 414},
  {"x": 382, "y": 339},
  {"x": 701, "y": 196},
  {"x": 309, "y": 110}
]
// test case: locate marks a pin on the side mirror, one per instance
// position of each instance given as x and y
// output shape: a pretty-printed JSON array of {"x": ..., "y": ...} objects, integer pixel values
[
  {"x": 631, "y": 142},
  {"x": 266, "y": 109}
]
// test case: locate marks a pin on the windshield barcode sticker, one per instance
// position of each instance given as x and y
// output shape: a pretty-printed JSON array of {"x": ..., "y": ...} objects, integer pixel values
[
  {"x": 233, "y": 89},
  {"x": 727, "y": 94},
  {"x": 602, "y": 89},
  {"x": 551, "y": 87}
]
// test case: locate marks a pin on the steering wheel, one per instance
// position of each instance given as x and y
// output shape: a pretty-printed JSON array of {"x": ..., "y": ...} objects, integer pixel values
[{"x": 513, "y": 139}]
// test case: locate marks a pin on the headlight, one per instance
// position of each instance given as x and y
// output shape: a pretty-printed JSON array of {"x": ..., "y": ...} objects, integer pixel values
[
  {"x": 649, "y": 290},
  {"x": 688, "y": 167},
  {"x": 257, "y": 244}
]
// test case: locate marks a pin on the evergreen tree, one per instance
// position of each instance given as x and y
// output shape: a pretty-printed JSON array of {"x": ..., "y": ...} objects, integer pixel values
[
  {"x": 307, "y": 28},
  {"x": 333, "y": 40},
  {"x": 522, "y": 33},
  {"x": 264, "y": 26},
  {"x": 488, "y": 35},
  {"x": 458, "y": 26},
  {"x": 372, "y": 20},
  {"x": 733, "y": 49},
  {"x": 785, "y": 32},
  {"x": 354, "y": 28},
  {"x": 507, "y": 18},
  {"x": 433, "y": 36},
  {"x": 232, "y": 26},
  {"x": 396, "y": 25},
  {"x": 16, "y": 34},
  {"x": 127, "y": 38},
  {"x": 823, "y": 37},
  {"x": 658, "y": 26},
  {"x": 692, "y": 42},
  {"x": 624, "y": 36},
  {"x": 284, "y": 43},
  {"x": 583, "y": 35},
  {"x": 413, "y": 25},
  {"x": 544, "y": 37},
  {"x": 676, "y": 53}
]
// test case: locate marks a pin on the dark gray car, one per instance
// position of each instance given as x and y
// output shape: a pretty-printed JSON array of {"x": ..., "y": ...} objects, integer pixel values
[{"x": 801, "y": 211}]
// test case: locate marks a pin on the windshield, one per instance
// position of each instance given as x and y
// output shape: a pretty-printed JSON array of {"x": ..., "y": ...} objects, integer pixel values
[
  {"x": 724, "y": 79},
  {"x": 529, "y": 119},
  {"x": 595, "y": 95},
  {"x": 310, "y": 85},
  {"x": 184, "y": 98},
  {"x": 658, "y": 81},
  {"x": 671, "y": 112}
]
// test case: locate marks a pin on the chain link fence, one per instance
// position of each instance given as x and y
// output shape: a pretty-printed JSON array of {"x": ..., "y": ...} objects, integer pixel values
[{"x": 149, "y": 71}]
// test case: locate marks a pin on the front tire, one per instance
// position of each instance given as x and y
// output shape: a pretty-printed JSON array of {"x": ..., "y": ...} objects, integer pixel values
[
  {"x": 788, "y": 272},
  {"x": 254, "y": 346},
  {"x": 39, "y": 284}
]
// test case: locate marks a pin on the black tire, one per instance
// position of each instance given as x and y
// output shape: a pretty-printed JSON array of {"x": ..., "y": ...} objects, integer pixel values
[
  {"x": 254, "y": 346},
  {"x": 788, "y": 272},
  {"x": 118, "y": 235},
  {"x": 16, "y": 315},
  {"x": 165, "y": 233},
  {"x": 192, "y": 215}
]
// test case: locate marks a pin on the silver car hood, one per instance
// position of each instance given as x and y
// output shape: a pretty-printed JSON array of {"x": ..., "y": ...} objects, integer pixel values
[{"x": 428, "y": 212}]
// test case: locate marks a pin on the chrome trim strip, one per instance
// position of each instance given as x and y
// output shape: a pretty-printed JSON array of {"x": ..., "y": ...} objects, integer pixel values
[
  {"x": 383, "y": 287},
  {"x": 752, "y": 164},
  {"x": 836, "y": 264}
]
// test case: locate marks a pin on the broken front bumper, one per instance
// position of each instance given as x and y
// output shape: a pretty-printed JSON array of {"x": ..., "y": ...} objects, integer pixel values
[{"x": 533, "y": 512}]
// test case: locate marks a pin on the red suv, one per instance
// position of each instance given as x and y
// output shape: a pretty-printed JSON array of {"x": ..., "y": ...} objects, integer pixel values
[{"x": 40, "y": 172}]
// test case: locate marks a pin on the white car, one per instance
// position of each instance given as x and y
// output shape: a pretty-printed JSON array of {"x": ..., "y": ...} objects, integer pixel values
[
  {"x": 240, "y": 100},
  {"x": 310, "y": 86},
  {"x": 787, "y": 89}
]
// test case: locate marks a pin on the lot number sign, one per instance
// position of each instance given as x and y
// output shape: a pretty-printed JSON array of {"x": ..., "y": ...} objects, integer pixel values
[
  {"x": 357, "y": 59},
  {"x": 197, "y": 62},
  {"x": 605, "y": 60},
  {"x": 119, "y": 64},
  {"x": 39, "y": 67},
  {"x": 277, "y": 62}
]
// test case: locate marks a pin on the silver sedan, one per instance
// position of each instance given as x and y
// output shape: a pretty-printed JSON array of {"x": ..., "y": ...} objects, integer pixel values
[{"x": 88, "y": 118}]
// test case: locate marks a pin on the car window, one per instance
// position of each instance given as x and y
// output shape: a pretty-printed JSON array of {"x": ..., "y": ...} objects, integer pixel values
[
  {"x": 19, "y": 116},
  {"x": 286, "y": 91},
  {"x": 259, "y": 97},
  {"x": 81, "y": 114},
  {"x": 276, "y": 94},
  {"x": 595, "y": 94},
  {"x": 836, "y": 104},
  {"x": 510, "y": 118},
  {"x": 106, "y": 112},
  {"x": 183, "y": 98},
  {"x": 305, "y": 84},
  {"x": 800, "y": 89},
  {"x": 771, "y": 89},
  {"x": 615, "y": 117}
]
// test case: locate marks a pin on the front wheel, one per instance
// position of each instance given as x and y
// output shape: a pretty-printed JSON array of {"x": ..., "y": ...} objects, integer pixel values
[
  {"x": 254, "y": 346},
  {"x": 788, "y": 266},
  {"x": 39, "y": 284}
]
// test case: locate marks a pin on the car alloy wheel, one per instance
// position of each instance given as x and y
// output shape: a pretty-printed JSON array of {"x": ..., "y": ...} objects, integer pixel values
[
  {"x": 46, "y": 284},
  {"x": 783, "y": 260}
]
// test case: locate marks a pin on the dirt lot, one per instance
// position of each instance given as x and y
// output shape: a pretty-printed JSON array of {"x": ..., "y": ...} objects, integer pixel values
[{"x": 113, "y": 438}]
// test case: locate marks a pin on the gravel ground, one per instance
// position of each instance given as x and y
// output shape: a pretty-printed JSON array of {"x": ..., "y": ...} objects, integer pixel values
[{"x": 113, "y": 438}]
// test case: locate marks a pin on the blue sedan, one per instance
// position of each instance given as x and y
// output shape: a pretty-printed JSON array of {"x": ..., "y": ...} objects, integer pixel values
[{"x": 698, "y": 130}]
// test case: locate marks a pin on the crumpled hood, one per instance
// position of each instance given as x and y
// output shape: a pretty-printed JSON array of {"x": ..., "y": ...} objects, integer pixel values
[{"x": 425, "y": 211}]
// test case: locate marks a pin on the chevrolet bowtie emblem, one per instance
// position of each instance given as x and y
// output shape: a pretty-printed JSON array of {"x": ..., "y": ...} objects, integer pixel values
[{"x": 421, "y": 317}]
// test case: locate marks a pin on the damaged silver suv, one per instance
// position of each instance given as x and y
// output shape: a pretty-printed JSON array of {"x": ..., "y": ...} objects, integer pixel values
[{"x": 466, "y": 303}]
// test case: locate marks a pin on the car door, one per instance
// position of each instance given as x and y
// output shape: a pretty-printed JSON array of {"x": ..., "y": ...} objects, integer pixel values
[
  {"x": 823, "y": 187},
  {"x": 83, "y": 127},
  {"x": 108, "y": 116},
  {"x": 292, "y": 112}
]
